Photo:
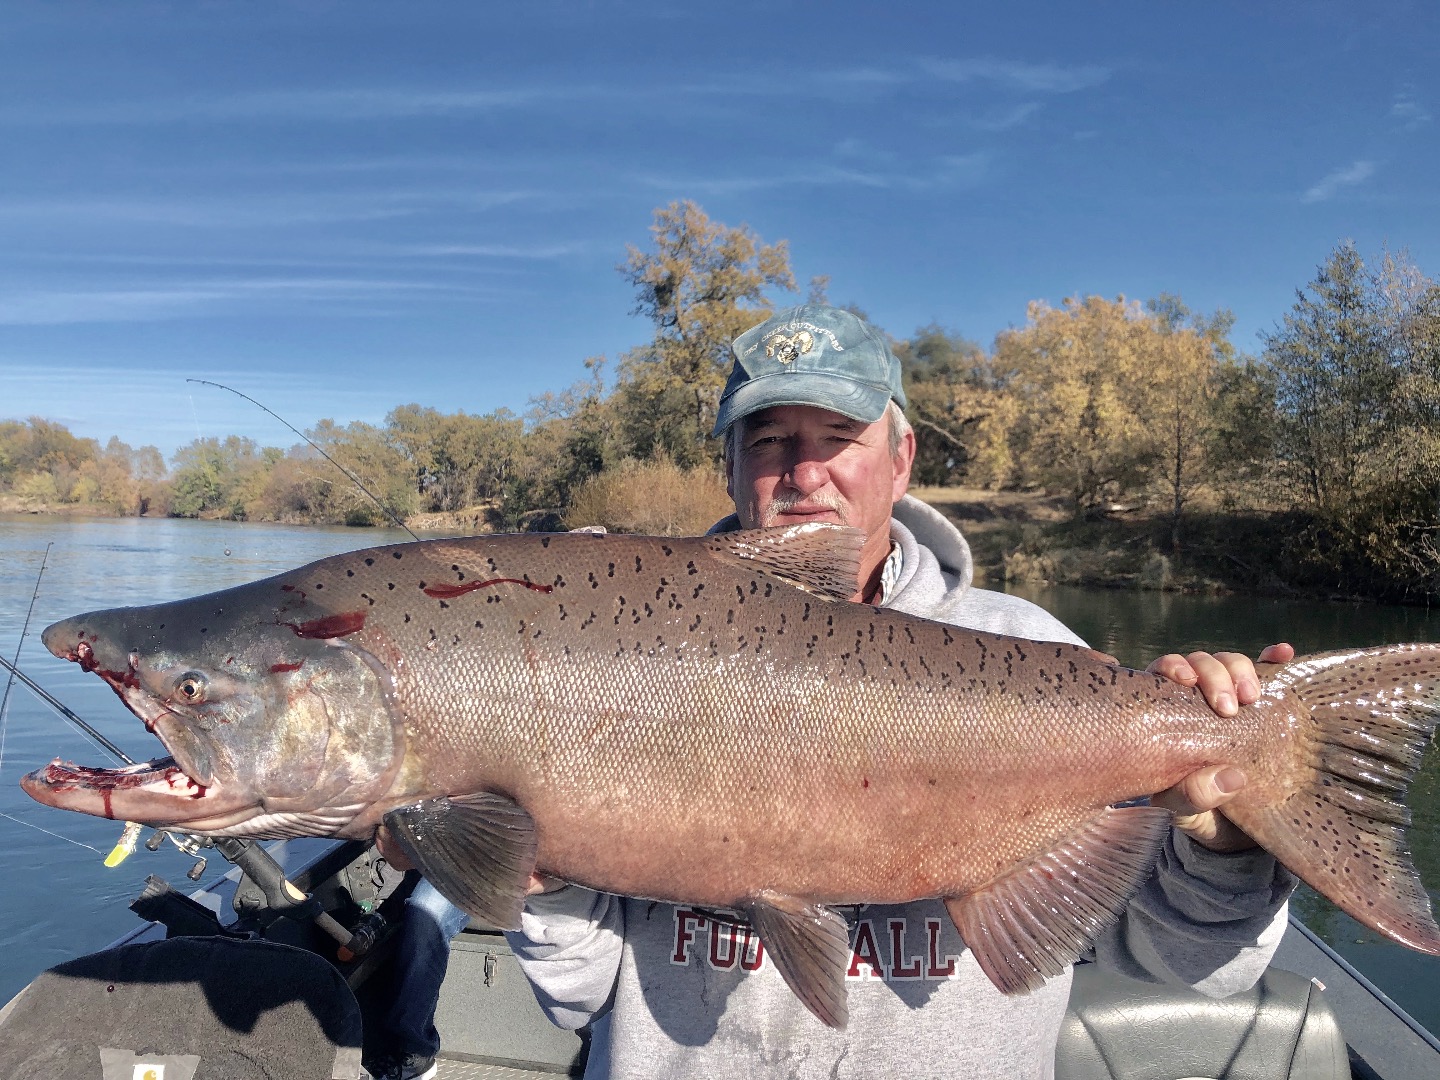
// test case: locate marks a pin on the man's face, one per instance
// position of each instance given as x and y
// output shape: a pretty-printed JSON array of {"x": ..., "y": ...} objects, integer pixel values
[{"x": 797, "y": 463}]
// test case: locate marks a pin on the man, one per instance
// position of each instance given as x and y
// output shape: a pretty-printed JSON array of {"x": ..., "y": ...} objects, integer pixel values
[
  {"x": 814, "y": 431},
  {"x": 409, "y": 1041}
]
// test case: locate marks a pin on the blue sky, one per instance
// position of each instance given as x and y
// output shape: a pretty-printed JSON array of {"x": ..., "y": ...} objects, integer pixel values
[{"x": 343, "y": 207}]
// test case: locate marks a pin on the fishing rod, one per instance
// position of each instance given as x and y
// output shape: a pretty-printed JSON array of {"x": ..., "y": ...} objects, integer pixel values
[
  {"x": 189, "y": 843},
  {"x": 61, "y": 708},
  {"x": 262, "y": 868},
  {"x": 24, "y": 629},
  {"x": 316, "y": 447}
]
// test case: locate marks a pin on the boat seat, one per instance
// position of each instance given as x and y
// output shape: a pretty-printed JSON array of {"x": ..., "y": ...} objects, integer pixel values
[
  {"x": 1120, "y": 1029},
  {"x": 186, "y": 1008}
]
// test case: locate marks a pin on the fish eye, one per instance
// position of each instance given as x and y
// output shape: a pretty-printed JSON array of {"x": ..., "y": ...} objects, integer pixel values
[{"x": 191, "y": 687}]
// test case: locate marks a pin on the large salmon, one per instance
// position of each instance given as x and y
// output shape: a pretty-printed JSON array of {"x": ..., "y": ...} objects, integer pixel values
[{"x": 704, "y": 721}]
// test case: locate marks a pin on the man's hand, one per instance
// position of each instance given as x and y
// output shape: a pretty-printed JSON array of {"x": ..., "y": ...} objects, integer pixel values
[
  {"x": 1227, "y": 681},
  {"x": 395, "y": 855}
]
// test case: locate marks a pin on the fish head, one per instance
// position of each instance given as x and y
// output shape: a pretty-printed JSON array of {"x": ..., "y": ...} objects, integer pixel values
[{"x": 271, "y": 730}]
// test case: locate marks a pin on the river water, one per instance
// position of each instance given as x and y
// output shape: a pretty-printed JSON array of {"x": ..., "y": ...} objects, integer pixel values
[{"x": 58, "y": 899}]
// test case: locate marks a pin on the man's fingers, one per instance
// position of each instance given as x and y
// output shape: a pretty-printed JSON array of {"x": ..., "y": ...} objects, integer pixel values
[
  {"x": 1204, "y": 789},
  {"x": 1174, "y": 667},
  {"x": 1215, "y": 683},
  {"x": 1281, "y": 653},
  {"x": 392, "y": 851},
  {"x": 1194, "y": 801}
]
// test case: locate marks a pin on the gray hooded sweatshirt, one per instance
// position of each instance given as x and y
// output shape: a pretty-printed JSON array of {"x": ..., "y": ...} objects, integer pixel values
[{"x": 672, "y": 992}]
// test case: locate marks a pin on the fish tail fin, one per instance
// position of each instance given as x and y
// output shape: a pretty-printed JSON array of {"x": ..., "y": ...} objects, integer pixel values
[{"x": 1364, "y": 718}]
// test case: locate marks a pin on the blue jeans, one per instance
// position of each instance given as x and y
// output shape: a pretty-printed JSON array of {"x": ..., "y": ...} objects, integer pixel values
[{"x": 421, "y": 956}]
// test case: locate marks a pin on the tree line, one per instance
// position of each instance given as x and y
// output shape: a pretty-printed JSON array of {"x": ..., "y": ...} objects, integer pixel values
[{"x": 1121, "y": 405}]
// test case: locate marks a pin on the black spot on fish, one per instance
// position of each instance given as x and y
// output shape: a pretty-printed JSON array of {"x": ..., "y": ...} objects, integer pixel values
[
  {"x": 396, "y": 554},
  {"x": 349, "y": 573},
  {"x": 667, "y": 549},
  {"x": 690, "y": 568},
  {"x": 369, "y": 562},
  {"x": 319, "y": 585},
  {"x": 443, "y": 604},
  {"x": 407, "y": 618},
  {"x": 637, "y": 564},
  {"x": 611, "y": 571},
  {"x": 545, "y": 541},
  {"x": 390, "y": 585},
  {"x": 479, "y": 625},
  {"x": 422, "y": 584}
]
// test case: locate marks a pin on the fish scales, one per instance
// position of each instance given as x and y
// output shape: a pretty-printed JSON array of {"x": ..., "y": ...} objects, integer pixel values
[
  {"x": 706, "y": 721},
  {"x": 595, "y": 704}
]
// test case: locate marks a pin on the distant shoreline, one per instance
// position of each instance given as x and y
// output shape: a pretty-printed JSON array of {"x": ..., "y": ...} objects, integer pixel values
[{"x": 1026, "y": 537}]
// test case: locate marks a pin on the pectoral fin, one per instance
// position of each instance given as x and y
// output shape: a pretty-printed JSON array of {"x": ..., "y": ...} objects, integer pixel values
[
  {"x": 810, "y": 946},
  {"x": 478, "y": 850},
  {"x": 1031, "y": 924}
]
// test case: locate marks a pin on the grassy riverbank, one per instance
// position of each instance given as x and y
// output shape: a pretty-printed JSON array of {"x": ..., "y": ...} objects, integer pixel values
[{"x": 1031, "y": 536}]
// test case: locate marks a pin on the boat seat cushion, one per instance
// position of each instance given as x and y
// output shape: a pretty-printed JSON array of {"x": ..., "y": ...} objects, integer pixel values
[
  {"x": 1120, "y": 1029},
  {"x": 202, "y": 1008}
]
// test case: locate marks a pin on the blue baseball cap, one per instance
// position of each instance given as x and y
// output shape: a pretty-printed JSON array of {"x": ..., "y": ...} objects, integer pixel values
[{"x": 811, "y": 355}]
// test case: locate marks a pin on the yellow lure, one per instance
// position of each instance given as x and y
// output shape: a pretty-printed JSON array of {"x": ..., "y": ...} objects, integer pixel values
[{"x": 125, "y": 845}]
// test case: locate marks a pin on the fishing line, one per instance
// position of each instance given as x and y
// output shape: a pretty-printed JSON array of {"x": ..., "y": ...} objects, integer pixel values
[
  {"x": 47, "y": 832},
  {"x": 314, "y": 446},
  {"x": 66, "y": 713},
  {"x": 24, "y": 629}
]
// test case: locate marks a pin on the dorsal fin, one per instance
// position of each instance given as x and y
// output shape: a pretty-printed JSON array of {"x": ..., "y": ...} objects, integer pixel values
[{"x": 818, "y": 557}]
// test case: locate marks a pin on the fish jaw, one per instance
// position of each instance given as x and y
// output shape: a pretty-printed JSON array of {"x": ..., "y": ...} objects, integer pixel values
[
  {"x": 270, "y": 732},
  {"x": 157, "y": 793}
]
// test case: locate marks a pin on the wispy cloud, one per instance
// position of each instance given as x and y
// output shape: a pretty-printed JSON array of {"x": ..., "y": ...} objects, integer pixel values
[
  {"x": 946, "y": 171},
  {"x": 1332, "y": 183},
  {"x": 55, "y": 307},
  {"x": 336, "y": 104},
  {"x": 1005, "y": 119},
  {"x": 1019, "y": 75},
  {"x": 1407, "y": 111},
  {"x": 258, "y": 211},
  {"x": 493, "y": 251}
]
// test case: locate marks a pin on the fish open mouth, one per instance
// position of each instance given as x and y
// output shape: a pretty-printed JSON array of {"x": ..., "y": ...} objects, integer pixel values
[
  {"x": 161, "y": 776},
  {"x": 158, "y": 792}
]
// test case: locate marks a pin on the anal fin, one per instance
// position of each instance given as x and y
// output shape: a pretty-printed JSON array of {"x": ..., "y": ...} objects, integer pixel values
[
  {"x": 810, "y": 946},
  {"x": 478, "y": 850},
  {"x": 1030, "y": 924}
]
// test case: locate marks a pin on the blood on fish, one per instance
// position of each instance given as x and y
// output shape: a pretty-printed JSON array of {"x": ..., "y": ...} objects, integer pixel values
[
  {"x": 275, "y": 669},
  {"x": 125, "y": 678},
  {"x": 449, "y": 592},
  {"x": 330, "y": 626}
]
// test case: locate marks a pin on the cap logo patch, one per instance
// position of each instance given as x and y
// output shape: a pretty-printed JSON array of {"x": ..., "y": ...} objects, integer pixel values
[{"x": 787, "y": 350}]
